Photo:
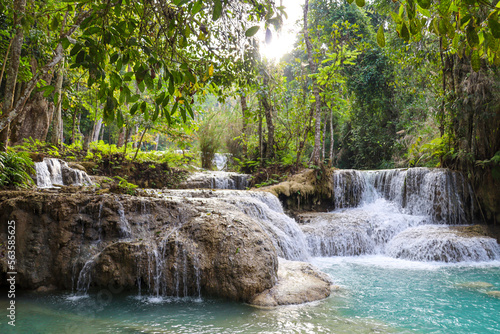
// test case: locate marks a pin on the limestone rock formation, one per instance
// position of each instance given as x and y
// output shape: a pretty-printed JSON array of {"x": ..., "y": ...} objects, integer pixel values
[
  {"x": 298, "y": 282},
  {"x": 171, "y": 246},
  {"x": 215, "y": 180}
]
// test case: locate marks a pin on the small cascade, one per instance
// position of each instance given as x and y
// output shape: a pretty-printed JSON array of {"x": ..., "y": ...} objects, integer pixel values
[
  {"x": 123, "y": 224},
  {"x": 287, "y": 236},
  {"x": 358, "y": 231},
  {"x": 391, "y": 212},
  {"x": 266, "y": 210},
  {"x": 216, "y": 180},
  {"x": 53, "y": 172},
  {"x": 349, "y": 187},
  {"x": 444, "y": 195},
  {"x": 220, "y": 160},
  {"x": 85, "y": 277},
  {"x": 442, "y": 243},
  {"x": 48, "y": 173}
]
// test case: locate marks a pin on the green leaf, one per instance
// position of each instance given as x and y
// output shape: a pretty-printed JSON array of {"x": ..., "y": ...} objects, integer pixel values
[
  {"x": 144, "y": 110},
  {"x": 443, "y": 7},
  {"x": 141, "y": 86},
  {"x": 396, "y": 18},
  {"x": 350, "y": 1},
  {"x": 80, "y": 57},
  {"x": 197, "y": 7},
  {"x": 405, "y": 34},
  {"x": 472, "y": 37},
  {"x": 75, "y": 49},
  {"x": 190, "y": 110},
  {"x": 47, "y": 90},
  {"x": 156, "y": 113},
  {"x": 167, "y": 115},
  {"x": 494, "y": 26},
  {"x": 360, "y": 3},
  {"x": 381, "y": 36},
  {"x": 475, "y": 61},
  {"x": 133, "y": 110},
  {"x": 217, "y": 10},
  {"x": 92, "y": 30},
  {"x": 442, "y": 28},
  {"x": 252, "y": 31},
  {"x": 174, "y": 108},
  {"x": 414, "y": 28},
  {"x": 425, "y": 4},
  {"x": 119, "y": 118},
  {"x": 55, "y": 23},
  {"x": 183, "y": 114},
  {"x": 114, "y": 58}
]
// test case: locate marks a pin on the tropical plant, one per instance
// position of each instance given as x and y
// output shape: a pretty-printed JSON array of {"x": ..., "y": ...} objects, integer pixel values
[{"x": 16, "y": 169}]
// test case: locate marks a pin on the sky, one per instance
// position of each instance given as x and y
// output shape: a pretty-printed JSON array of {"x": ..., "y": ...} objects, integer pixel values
[{"x": 283, "y": 42}]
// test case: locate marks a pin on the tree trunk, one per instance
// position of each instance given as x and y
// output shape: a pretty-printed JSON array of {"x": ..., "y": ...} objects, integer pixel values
[
  {"x": 261, "y": 141},
  {"x": 313, "y": 68},
  {"x": 96, "y": 130},
  {"x": 13, "y": 69},
  {"x": 157, "y": 140},
  {"x": 268, "y": 111},
  {"x": 57, "y": 136},
  {"x": 140, "y": 143},
  {"x": 324, "y": 140},
  {"x": 11, "y": 114},
  {"x": 330, "y": 160},
  {"x": 73, "y": 128},
  {"x": 121, "y": 137},
  {"x": 244, "y": 111},
  {"x": 304, "y": 139}
]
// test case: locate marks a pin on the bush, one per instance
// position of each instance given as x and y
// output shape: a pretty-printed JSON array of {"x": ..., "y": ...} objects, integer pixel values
[{"x": 15, "y": 170}]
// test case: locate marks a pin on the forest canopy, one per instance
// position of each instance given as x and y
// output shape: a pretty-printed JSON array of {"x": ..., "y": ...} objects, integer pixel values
[{"x": 376, "y": 84}]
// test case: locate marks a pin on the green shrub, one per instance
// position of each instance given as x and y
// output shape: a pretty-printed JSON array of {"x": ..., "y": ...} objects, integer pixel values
[{"x": 15, "y": 170}]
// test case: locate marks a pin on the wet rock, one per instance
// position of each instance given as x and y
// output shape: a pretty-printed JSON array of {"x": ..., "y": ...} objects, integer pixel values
[
  {"x": 475, "y": 285},
  {"x": 298, "y": 282},
  {"x": 495, "y": 294},
  {"x": 215, "y": 180},
  {"x": 173, "y": 246},
  {"x": 443, "y": 244}
]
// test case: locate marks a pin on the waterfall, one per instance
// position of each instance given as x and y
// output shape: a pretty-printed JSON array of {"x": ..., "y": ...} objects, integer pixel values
[
  {"x": 441, "y": 243},
  {"x": 266, "y": 210},
  {"x": 216, "y": 180},
  {"x": 444, "y": 195},
  {"x": 53, "y": 172},
  {"x": 220, "y": 160},
  {"x": 401, "y": 213}
]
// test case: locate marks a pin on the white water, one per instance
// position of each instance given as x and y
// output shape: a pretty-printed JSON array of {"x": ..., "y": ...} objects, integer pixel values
[
  {"x": 53, "y": 172},
  {"x": 217, "y": 180},
  {"x": 220, "y": 160},
  {"x": 394, "y": 213}
]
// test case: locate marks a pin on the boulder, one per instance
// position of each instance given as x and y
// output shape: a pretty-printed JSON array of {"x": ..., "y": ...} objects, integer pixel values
[{"x": 298, "y": 282}]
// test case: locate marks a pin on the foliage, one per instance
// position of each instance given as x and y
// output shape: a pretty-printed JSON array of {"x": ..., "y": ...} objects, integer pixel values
[
  {"x": 125, "y": 186},
  {"x": 468, "y": 28},
  {"x": 15, "y": 169}
]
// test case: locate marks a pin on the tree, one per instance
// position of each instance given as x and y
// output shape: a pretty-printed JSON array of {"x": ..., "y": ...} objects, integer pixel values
[
  {"x": 13, "y": 69},
  {"x": 317, "y": 100},
  {"x": 182, "y": 42}
]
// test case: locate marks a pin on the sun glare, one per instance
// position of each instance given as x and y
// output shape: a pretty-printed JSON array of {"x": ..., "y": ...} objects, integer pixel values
[{"x": 283, "y": 41}]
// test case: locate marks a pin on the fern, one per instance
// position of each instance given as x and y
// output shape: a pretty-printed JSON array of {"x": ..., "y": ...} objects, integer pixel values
[{"x": 15, "y": 170}]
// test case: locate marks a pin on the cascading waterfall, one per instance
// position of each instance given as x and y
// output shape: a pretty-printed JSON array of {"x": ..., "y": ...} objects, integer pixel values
[
  {"x": 216, "y": 180},
  {"x": 54, "y": 172},
  {"x": 394, "y": 212},
  {"x": 266, "y": 210}
]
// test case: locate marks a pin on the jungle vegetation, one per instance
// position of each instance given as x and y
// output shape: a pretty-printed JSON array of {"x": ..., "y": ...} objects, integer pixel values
[{"x": 368, "y": 85}]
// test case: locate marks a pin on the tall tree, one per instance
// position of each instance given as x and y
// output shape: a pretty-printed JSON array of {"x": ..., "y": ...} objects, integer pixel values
[
  {"x": 313, "y": 68},
  {"x": 13, "y": 69}
]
